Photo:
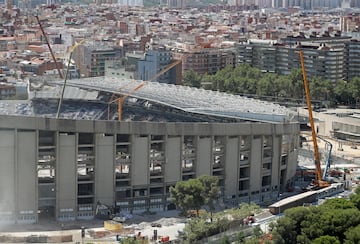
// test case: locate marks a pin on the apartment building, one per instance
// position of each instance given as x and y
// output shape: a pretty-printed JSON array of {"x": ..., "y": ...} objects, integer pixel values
[
  {"x": 179, "y": 4},
  {"x": 352, "y": 60},
  {"x": 206, "y": 60},
  {"x": 7, "y": 90},
  {"x": 324, "y": 60},
  {"x": 91, "y": 58},
  {"x": 156, "y": 59}
]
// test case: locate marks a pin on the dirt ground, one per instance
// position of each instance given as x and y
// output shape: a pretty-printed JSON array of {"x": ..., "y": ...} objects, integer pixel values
[{"x": 169, "y": 220}]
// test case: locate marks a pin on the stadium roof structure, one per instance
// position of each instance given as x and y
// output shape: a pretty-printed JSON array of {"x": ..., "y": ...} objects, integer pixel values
[{"x": 188, "y": 99}]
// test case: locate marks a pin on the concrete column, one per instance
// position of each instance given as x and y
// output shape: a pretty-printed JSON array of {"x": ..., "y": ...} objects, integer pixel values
[
  {"x": 26, "y": 177},
  {"x": 231, "y": 166},
  {"x": 256, "y": 164},
  {"x": 140, "y": 164},
  {"x": 173, "y": 159},
  {"x": 66, "y": 177},
  {"x": 104, "y": 169},
  {"x": 7, "y": 176},
  {"x": 204, "y": 156}
]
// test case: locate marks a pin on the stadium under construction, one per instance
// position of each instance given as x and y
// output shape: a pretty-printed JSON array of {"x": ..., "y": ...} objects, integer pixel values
[{"x": 62, "y": 164}]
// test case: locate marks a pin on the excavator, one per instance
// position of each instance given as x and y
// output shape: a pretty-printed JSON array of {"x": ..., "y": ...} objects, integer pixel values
[{"x": 320, "y": 181}]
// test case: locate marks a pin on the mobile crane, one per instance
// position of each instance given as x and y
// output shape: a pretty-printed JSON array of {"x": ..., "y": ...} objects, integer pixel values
[{"x": 319, "y": 181}]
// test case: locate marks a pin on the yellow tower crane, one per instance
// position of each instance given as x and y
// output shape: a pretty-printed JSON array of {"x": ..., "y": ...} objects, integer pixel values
[{"x": 121, "y": 99}]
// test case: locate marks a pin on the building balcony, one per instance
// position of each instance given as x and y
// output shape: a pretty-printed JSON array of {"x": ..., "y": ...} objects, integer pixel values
[
  {"x": 157, "y": 156},
  {"x": 85, "y": 158},
  {"x": 187, "y": 169},
  {"x": 49, "y": 146},
  {"x": 266, "y": 171},
  {"x": 46, "y": 180},
  {"x": 218, "y": 166},
  {"x": 122, "y": 176},
  {"x": 190, "y": 154},
  {"x": 123, "y": 159},
  {"x": 244, "y": 162},
  {"x": 85, "y": 194},
  {"x": 156, "y": 174},
  {"x": 86, "y": 178},
  {"x": 46, "y": 152},
  {"x": 243, "y": 193},
  {"x": 267, "y": 159},
  {"x": 46, "y": 160},
  {"x": 122, "y": 183},
  {"x": 85, "y": 147}
]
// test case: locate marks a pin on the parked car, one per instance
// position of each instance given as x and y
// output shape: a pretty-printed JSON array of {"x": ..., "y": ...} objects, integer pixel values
[{"x": 155, "y": 224}]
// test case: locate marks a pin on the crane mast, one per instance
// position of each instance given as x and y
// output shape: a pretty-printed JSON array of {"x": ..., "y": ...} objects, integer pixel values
[
  {"x": 319, "y": 182},
  {"x": 48, "y": 44},
  {"x": 121, "y": 100}
]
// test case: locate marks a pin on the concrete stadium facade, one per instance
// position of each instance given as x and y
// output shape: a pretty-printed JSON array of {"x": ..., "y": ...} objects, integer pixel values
[{"x": 63, "y": 167}]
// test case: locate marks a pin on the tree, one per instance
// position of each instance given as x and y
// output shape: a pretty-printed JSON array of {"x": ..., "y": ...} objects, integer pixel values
[
  {"x": 211, "y": 191},
  {"x": 240, "y": 237},
  {"x": 296, "y": 89},
  {"x": 354, "y": 86},
  {"x": 326, "y": 240},
  {"x": 337, "y": 203},
  {"x": 297, "y": 214},
  {"x": 252, "y": 240},
  {"x": 192, "y": 78},
  {"x": 289, "y": 227},
  {"x": 266, "y": 85},
  {"x": 302, "y": 239},
  {"x": 320, "y": 89},
  {"x": 198, "y": 228},
  {"x": 225, "y": 240},
  {"x": 357, "y": 190},
  {"x": 303, "y": 225},
  {"x": 195, "y": 193},
  {"x": 355, "y": 199},
  {"x": 352, "y": 235},
  {"x": 342, "y": 92},
  {"x": 188, "y": 195},
  {"x": 285, "y": 231},
  {"x": 257, "y": 232}
]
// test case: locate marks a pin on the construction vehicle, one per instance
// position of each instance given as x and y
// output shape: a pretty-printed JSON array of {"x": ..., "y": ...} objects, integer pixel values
[
  {"x": 249, "y": 220},
  {"x": 319, "y": 181},
  {"x": 327, "y": 172},
  {"x": 104, "y": 211},
  {"x": 328, "y": 159}
]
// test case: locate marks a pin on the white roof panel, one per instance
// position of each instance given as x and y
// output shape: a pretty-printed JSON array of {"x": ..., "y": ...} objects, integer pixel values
[{"x": 187, "y": 98}]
